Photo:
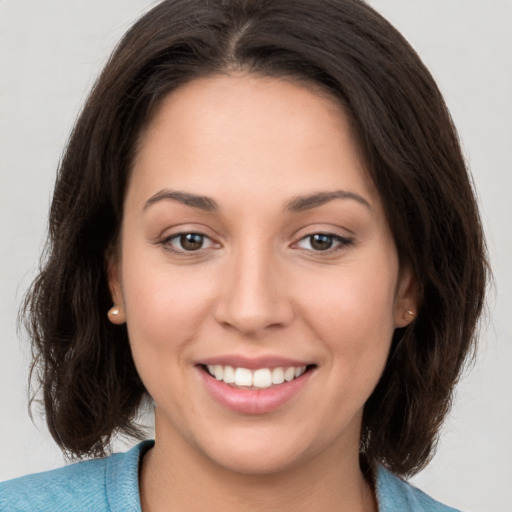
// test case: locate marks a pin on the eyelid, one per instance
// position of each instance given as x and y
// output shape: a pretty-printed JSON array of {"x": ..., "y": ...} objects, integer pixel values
[
  {"x": 165, "y": 242},
  {"x": 340, "y": 242}
]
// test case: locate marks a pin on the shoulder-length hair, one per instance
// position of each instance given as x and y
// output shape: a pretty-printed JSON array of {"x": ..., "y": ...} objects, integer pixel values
[{"x": 83, "y": 363}]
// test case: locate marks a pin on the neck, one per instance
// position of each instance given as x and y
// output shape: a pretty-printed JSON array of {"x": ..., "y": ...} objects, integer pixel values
[{"x": 175, "y": 477}]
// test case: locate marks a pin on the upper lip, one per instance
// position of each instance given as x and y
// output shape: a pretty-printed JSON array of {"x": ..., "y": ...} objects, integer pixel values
[{"x": 253, "y": 363}]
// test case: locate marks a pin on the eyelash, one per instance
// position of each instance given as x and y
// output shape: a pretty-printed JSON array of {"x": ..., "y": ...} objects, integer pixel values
[
  {"x": 340, "y": 243},
  {"x": 167, "y": 243}
]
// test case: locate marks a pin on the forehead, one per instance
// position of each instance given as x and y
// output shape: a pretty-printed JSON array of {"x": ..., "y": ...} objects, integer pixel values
[{"x": 240, "y": 129}]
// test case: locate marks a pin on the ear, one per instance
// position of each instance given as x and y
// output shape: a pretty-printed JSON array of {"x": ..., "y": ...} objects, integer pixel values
[
  {"x": 407, "y": 298},
  {"x": 117, "y": 313}
]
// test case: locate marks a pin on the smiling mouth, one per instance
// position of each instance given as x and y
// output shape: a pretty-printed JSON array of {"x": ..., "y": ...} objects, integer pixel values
[{"x": 261, "y": 378}]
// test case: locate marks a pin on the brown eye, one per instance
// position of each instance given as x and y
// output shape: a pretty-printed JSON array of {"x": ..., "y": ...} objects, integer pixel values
[
  {"x": 324, "y": 242},
  {"x": 189, "y": 244},
  {"x": 191, "y": 241},
  {"x": 321, "y": 242}
]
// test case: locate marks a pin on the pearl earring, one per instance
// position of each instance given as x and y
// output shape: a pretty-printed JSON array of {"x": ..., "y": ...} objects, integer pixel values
[{"x": 114, "y": 311}]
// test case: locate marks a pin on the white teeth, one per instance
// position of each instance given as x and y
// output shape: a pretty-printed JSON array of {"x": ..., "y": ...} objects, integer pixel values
[
  {"x": 277, "y": 376},
  {"x": 229, "y": 375},
  {"x": 243, "y": 377},
  {"x": 260, "y": 378},
  {"x": 289, "y": 374},
  {"x": 299, "y": 371},
  {"x": 219, "y": 372}
]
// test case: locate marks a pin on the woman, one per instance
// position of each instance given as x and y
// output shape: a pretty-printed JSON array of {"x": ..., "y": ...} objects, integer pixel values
[{"x": 263, "y": 222}]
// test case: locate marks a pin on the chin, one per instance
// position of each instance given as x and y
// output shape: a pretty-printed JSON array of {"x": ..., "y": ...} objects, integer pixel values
[
  {"x": 257, "y": 461},
  {"x": 263, "y": 450}
]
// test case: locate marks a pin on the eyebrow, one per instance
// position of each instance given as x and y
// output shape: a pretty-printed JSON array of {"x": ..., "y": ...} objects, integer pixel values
[
  {"x": 301, "y": 203},
  {"x": 297, "y": 204},
  {"x": 201, "y": 202}
]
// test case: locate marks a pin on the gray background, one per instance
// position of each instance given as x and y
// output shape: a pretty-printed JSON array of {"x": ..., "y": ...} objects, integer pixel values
[{"x": 50, "y": 53}]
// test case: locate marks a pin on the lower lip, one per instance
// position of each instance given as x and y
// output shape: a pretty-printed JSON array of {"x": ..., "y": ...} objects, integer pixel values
[{"x": 253, "y": 401}]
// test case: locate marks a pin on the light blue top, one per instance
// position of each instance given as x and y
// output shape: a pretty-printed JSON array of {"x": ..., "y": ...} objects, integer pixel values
[{"x": 112, "y": 485}]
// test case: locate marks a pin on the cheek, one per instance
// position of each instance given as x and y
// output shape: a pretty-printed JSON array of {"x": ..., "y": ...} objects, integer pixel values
[
  {"x": 164, "y": 310},
  {"x": 352, "y": 300},
  {"x": 164, "y": 306},
  {"x": 352, "y": 313}
]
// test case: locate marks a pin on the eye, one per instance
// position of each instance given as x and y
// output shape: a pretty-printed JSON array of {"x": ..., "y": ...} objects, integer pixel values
[
  {"x": 187, "y": 242},
  {"x": 323, "y": 242}
]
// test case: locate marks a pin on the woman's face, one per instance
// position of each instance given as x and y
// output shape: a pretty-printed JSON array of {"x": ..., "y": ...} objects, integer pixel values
[{"x": 255, "y": 248}]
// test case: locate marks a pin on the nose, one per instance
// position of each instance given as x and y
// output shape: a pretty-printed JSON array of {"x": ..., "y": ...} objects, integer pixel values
[{"x": 253, "y": 297}]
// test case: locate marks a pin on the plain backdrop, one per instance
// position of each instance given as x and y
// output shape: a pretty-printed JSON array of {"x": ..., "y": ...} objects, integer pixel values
[{"x": 50, "y": 53}]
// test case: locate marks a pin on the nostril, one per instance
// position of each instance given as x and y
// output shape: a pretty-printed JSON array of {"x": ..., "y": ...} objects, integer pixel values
[{"x": 252, "y": 315}]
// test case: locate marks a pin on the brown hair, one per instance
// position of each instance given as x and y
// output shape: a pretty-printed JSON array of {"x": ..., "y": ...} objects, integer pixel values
[{"x": 83, "y": 363}]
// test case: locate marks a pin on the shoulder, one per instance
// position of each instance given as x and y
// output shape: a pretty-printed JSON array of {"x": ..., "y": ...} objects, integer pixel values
[
  {"x": 57, "y": 489},
  {"x": 97, "y": 485},
  {"x": 395, "y": 494}
]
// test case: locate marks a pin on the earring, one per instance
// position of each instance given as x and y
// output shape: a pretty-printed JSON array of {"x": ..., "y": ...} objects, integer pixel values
[
  {"x": 410, "y": 313},
  {"x": 114, "y": 310}
]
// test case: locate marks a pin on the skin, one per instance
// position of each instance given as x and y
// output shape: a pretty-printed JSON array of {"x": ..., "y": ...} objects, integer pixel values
[{"x": 256, "y": 287}]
